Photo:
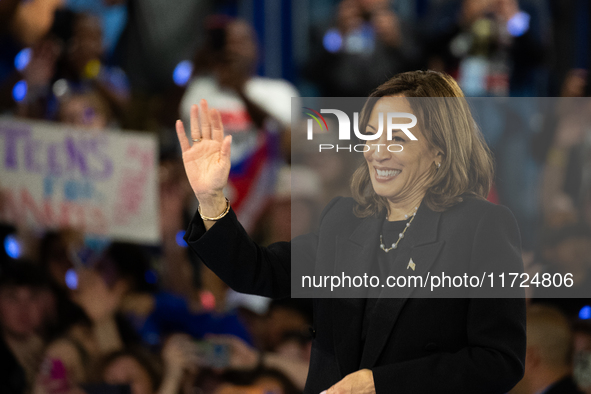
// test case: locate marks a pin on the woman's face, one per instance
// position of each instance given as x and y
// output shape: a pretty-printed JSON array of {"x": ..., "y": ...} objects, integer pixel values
[{"x": 398, "y": 173}]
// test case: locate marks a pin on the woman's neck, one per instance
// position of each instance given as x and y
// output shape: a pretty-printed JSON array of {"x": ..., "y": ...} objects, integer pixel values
[{"x": 398, "y": 209}]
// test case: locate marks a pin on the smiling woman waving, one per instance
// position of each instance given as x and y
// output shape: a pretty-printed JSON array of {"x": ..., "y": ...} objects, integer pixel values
[{"x": 426, "y": 201}]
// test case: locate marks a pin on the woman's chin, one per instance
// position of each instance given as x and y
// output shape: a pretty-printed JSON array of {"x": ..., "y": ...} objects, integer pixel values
[{"x": 384, "y": 192}]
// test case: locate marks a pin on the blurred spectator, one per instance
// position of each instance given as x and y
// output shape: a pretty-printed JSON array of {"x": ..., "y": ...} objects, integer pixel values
[
  {"x": 82, "y": 66},
  {"x": 296, "y": 346},
  {"x": 70, "y": 359},
  {"x": 66, "y": 68},
  {"x": 134, "y": 367},
  {"x": 582, "y": 336},
  {"x": 55, "y": 255},
  {"x": 258, "y": 381},
  {"x": 492, "y": 47},
  {"x": 7, "y": 10},
  {"x": 318, "y": 177},
  {"x": 298, "y": 190},
  {"x": 366, "y": 44},
  {"x": 575, "y": 83},
  {"x": 567, "y": 250},
  {"x": 566, "y": 180},
  {"x": 244, "y": 357},
  {"x": 582, "y": 355},
  {"x": 179, "y": 270},
  {"x": 38, "y": 74},
  {"x": 139, "y": 369},
  {"x": 85, "y": 110},
  {"x": 156, "y": 38},
  {"x": 113, "y": 16},
  {"x": 286, "y": 316},
  {"x": 153, "y": 313},
  {"x": 499, "y": 48},
  {"x": 33, "y": 19},
  {"x": 255, "y": 110},
  {"x": 548, "y": 360},
  {"x": 274, "y": 224},
  {"x": 24, "y": 24},
  {"x": 571, "y": 32},
  {"x": 22, "y": 291}
]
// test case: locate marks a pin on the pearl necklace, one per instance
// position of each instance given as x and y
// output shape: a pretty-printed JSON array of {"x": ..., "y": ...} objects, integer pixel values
[{"x": 401, "y": 235}]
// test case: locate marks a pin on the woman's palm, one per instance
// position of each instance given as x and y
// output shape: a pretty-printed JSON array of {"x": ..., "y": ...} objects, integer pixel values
[{"x": 207, "y": 161}]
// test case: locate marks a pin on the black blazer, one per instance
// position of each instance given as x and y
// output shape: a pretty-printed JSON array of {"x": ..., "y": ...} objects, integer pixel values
[{"x": 414, "y": 345}]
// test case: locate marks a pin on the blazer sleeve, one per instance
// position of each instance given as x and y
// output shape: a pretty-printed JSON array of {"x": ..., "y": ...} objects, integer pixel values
[
  {"x": 245, "y": 266},
  {"x": 494, "y": 358}
]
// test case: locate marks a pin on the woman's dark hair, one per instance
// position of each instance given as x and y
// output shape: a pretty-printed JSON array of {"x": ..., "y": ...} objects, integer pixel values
[
  {"x": 250, "y": 377},
  {"x": 446, "y": 122},
  {"x": 129, "y": 262},
  {"x": 23, "y": 272},
  {"x": 215, "y": 39},
  {"x": 148, "y": 361}
]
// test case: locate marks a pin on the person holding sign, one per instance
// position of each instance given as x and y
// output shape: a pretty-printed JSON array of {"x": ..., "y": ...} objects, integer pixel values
[{"x": 427, "y": 202}]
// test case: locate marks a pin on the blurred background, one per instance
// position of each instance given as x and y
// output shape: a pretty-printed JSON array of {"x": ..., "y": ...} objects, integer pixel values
[{"x": 89, "y": 306}]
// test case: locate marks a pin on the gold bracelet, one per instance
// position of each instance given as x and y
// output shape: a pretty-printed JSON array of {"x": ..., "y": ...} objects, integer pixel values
[{"x": 217, "y": 217}]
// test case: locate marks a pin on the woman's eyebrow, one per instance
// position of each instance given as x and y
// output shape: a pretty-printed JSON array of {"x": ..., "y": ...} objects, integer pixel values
[{"x": 393, "y": 130}]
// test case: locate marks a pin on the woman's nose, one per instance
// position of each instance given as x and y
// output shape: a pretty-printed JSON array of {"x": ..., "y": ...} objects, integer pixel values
[{"x": 379, "y": 151}]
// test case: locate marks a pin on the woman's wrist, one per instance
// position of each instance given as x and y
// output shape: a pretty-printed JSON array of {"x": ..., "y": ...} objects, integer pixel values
[{"x": 212, "y": 205}]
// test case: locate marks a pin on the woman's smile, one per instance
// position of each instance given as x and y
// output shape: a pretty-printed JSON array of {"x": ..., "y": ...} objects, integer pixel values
[{"x": 385, "y": 174}]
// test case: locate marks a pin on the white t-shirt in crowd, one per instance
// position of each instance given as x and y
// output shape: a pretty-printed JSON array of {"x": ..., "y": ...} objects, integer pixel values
[{"x": 272, "y": 95}]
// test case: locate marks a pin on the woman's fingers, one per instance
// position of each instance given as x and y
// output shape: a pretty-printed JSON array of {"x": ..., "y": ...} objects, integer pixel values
[
  {"x": 205, "y": 124},
  {"x": 218, "y": 128},
  {"x": 195, "y": 131},
  {"x": 182, "y": 136},
  {"x": 205, "y": 121},
  {"x": 226, "y": 146}
]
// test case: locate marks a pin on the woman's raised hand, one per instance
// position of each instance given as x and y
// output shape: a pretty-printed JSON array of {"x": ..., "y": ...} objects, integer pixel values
[{"x": 207, "y": 161}]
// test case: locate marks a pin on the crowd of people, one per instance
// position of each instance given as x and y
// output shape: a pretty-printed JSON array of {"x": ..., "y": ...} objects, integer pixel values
[{"x": 130, "y": 318}]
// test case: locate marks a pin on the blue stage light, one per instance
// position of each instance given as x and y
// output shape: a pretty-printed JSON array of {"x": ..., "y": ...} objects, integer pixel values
[
  {"x": 71, "y": 279},
  {"x": 518, "y": 24},
  {"x": 12, "y": 246},
  {"x": 22, "y": 59},
  {"x": 585, "y": 312},
  {"x": 332, "y": 41},
  {"x": 182, "y": 72},
  {"x": 19, "y": 91}
]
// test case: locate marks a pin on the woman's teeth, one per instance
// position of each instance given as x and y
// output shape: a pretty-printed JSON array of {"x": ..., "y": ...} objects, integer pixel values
[{"x": 387, "y": 173}]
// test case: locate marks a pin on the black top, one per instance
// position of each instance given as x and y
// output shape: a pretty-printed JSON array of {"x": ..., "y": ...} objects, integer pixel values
[{"x": 390, "y": 233}]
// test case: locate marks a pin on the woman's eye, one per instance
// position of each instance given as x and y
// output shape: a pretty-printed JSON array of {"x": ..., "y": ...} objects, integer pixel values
[
  {"x": 368, "y": 132},
  {"x": 398, "y": 139}
]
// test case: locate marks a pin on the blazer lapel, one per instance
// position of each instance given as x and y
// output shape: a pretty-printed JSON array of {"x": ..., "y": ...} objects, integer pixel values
[
  {"x": 348, "y": 313},
  {"x": 420, "y": 244},
  {"x": 355, "y": 254}
]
